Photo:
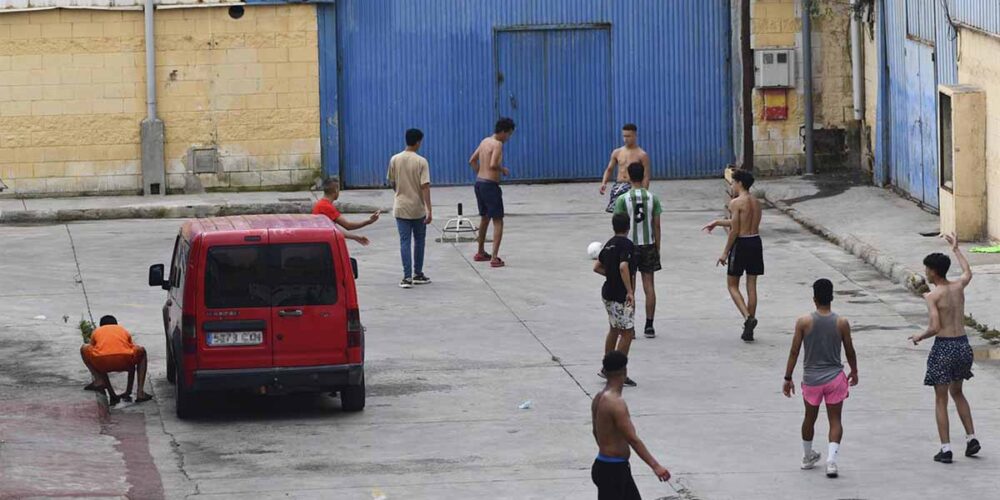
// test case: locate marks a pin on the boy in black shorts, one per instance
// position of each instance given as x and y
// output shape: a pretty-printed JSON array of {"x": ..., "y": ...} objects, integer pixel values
[
  {"x": 617, "y": 262},
  {"x": 487, "y": 162},
  {"x": 744, "y": 253}
]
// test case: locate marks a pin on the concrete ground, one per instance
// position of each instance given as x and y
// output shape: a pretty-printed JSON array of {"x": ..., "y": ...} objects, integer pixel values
[
  {"x": 449, "y": 364},
  {"x": 890, "y": 224}
]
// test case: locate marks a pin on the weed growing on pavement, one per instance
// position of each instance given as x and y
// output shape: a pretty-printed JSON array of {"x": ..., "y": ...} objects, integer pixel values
[
  {"x": 991, "y": 335},
  {"x": 86, "y": 329}
]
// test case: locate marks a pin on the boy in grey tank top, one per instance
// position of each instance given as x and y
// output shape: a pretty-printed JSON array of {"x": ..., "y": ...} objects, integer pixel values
[{"x": 822, "y": 334}]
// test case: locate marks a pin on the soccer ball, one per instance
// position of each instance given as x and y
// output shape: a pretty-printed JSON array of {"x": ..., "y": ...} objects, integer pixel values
[{"x": 594, "y": 249}]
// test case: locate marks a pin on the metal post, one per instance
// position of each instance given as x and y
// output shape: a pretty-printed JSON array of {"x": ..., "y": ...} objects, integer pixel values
[
  {"x": 150, "y": 62},
  {"x": 807, "y": 76},
  {"x": 151, "y": 131},
  {"x": 746, "y": 53}
]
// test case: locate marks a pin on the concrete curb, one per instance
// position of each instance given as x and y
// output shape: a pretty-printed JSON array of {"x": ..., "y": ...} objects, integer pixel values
[
  {"x": 172, "y": 212},
  {"x": 885, "y": 264}
]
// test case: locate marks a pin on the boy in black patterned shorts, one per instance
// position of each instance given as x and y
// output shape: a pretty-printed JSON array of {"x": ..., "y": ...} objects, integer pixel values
[
  {"x": 617, "y": 262},
  {"x": 949, "y": 363}
]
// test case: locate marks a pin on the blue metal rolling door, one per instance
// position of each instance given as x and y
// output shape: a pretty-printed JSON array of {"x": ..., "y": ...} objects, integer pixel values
[{"x": 432, "y": 64}]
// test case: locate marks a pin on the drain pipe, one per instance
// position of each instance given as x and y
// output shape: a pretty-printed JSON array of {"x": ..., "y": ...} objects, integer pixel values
[
  {"x": 150, "y": 62},
  {"x": 151, "y": 132},
  {"x": 807, "y": 77},
  {"x": 857, "y": 70}
]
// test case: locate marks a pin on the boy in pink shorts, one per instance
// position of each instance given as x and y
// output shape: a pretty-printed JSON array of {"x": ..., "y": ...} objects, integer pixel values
[{"x": 822, "y": 333}]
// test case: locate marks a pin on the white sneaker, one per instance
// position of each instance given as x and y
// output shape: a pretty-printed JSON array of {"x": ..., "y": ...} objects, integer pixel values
[
  {"x": 831, "y": 469},
  {"x": 809, "y": 461}
]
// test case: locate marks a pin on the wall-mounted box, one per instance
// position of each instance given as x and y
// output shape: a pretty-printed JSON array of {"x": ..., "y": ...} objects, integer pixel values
[
  {"x": 962, "y": 168},
  {"x": 774, "y": 68}
]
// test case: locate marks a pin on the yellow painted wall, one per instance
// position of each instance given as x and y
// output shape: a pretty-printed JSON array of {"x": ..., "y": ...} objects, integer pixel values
[
  {"x": 778, "y": 147},
  {"x": 70, "y": 101},
  {"x": 72, "y": 95},
  {"x": 978, "y": 65}
]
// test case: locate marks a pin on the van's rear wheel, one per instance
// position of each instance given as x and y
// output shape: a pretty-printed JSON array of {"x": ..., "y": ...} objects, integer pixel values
[
  {"x": 171, "y": 366},
  {"x": 352, "y": 397}
]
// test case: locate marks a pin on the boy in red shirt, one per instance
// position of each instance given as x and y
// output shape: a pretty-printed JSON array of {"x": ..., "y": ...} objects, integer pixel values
[{"x": 325, "y": 206}]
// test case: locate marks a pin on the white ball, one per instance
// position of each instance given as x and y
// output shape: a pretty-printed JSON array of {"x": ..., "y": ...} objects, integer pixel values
[{"x": 594, "y": 249}]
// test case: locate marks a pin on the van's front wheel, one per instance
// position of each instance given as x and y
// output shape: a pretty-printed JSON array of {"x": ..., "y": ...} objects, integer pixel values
[{"x": 352, "y": 397}]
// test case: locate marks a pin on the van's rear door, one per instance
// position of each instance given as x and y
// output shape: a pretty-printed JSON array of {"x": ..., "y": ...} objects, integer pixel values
[
  {"x": 308, "y": 314},
  {"x": 234, "y": 322}
]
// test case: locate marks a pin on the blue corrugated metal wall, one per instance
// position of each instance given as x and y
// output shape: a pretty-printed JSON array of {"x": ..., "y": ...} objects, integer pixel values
[
  {"x": 945, "y": 46},
  {"x": 912, "y": 95},
  {"x": 981, "y": 14},
  {"x": 920, "y": 19},
  {"x": 431, "y": 64}
]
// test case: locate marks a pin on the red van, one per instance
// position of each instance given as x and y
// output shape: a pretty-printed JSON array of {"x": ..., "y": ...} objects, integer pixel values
[{"x": 265, "y": 303}]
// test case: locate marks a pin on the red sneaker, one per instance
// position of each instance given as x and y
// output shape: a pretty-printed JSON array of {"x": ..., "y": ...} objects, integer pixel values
[{"x": 481, "y": 257}]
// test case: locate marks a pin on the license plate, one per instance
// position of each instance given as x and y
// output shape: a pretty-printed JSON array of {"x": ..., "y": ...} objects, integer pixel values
[{"x": 216, "y": 339}]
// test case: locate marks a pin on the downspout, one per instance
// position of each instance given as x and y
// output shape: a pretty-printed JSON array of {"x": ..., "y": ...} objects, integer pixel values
[
  {"x": 807, "y": 77},
  {"x": 151, "y": 131},
  {"x": 857, "y": 68},
  {"x": 150, "y": 63}
]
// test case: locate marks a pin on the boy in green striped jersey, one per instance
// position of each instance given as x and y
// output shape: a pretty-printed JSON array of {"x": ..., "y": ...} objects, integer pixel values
[{"x": 643, "y": 210}]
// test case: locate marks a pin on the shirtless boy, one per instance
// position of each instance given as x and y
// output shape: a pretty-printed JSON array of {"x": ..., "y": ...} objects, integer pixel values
[
  {"x": 615, "y": 434},
  {"x": 487, "y": 162},
  {"x": 950, "y": 361},
  {"x": 623, "y": 157},
  {"x": 744, "y": 252}
]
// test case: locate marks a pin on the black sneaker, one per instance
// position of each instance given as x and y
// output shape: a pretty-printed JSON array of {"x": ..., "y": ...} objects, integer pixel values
[
  {"x": 748, "y": 327},
  {"x": 972, "y": 447},
  {"x": 943, "y": 457},
  {"x": 421, "y": 279},
  {"x": 601, "y": 374},
  {"x": 406, "y": 283},
  {"x": 629, "y": 382},
  {"x": 650, "y": 332}
]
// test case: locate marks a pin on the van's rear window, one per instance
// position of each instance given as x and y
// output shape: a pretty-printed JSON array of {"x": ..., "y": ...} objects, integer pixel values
[{"x": 299, "y": 274}]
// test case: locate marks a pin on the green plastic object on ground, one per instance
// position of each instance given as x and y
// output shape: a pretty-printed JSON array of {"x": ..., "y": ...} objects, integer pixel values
[{"x": 993, "y": 249}]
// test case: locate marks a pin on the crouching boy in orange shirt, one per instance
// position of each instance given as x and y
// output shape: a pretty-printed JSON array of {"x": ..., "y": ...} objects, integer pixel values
[{"x": 111, "y": 350}]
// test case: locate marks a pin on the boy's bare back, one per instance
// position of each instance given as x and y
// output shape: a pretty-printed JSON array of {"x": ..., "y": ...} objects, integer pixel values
[
  {"x": 610, "y": 440},
  {"x": 746, "y": 214},
  {"x": 487, "y": 158},
  {"x": 949, "y": 300}
]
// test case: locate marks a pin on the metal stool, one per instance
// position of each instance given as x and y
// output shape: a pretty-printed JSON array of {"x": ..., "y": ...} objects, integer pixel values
[{"x": 458, "y": 225}]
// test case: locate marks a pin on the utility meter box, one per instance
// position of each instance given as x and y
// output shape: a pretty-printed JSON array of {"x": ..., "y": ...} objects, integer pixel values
[
  {"x": 962, "y": 112},
  {"x": 775, "y": 68}
]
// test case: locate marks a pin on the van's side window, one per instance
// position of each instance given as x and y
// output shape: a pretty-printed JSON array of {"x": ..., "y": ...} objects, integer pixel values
[
  {"x": 181, "y": 274},
  {"x": 174, "y": 262},
  {"x": 236, "y": 276}
]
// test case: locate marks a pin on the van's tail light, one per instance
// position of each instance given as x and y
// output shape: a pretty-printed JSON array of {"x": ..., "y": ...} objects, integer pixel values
[
  {"x": 189, "y": 334},
  {"x": 355, "y": 331}
]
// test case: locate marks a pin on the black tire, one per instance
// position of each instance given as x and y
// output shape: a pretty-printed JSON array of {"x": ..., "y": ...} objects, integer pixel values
[
  {"x": 352, "y": 397},
  {"x": 171, "y": 365},
  {"x": 183, "y": 399}
]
